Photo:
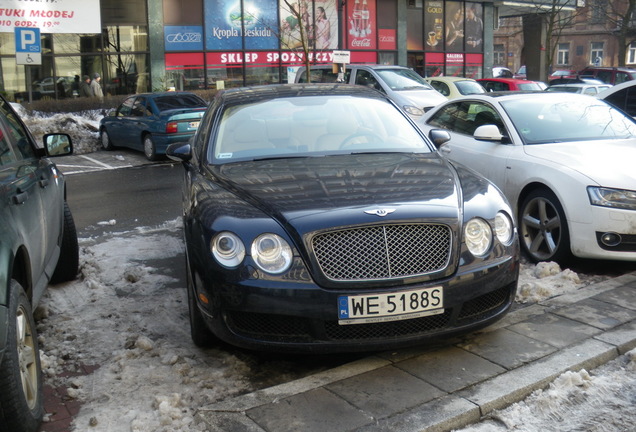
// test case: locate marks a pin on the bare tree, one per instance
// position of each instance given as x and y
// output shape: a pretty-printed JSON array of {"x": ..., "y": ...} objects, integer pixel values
[{"x": 622, "y": 23}]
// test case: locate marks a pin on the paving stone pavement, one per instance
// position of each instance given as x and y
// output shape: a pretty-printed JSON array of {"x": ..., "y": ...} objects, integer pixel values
[{"x": 452, "y": 386}]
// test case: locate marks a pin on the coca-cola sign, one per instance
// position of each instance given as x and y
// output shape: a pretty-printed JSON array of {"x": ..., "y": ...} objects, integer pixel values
[{"x": 361, "y": 25}]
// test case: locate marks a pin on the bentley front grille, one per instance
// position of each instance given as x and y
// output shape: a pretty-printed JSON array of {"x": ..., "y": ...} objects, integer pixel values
[{"x": 383, "y": 251}]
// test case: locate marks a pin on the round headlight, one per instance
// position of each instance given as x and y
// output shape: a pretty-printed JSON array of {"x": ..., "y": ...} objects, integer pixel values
[
  {"x": 228, "y": 249},
  {"x": 271, "y": 253},
  {"x": 478, "y": 236},
  {"x": 503, "y": 228}
]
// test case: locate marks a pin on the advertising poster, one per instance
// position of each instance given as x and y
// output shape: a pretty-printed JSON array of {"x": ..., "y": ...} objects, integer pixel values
[
  {"x": 183, "y": 38},
  {"x": 319, "y": 21},
  {"x": 474, "y": 27},
  {"x": 454, "y": 33},
  {"x": 228, "y": 24},
  {"x": 59, "y": 16},
  {"x": 361, "y": 25},
  {"x": 434, "y": 25}
]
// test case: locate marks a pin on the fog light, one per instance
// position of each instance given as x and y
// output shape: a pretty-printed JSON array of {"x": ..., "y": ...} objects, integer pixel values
[{"x": 611, "y": 239}]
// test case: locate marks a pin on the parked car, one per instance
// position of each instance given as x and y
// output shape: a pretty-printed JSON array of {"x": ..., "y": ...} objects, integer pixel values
[
  {"x": 622, "y": 96},
  {"x": 453, "y": 87},
  {"x": 318, "y": 218},
  {"x": 521, "y": 73},
  {"x": 152, "y": 121},
  {"x": 609, "y": 75},
  {"x": 565, "y": 162},
  {"x": 403, "y": 85},
  {"x": 508, "y": 84},
  {"x": 38, "y": 245},
  {"x": 588, "y": 89},
  {"x": 563, "y": 74},
  {"x": 501, "y": 72}
]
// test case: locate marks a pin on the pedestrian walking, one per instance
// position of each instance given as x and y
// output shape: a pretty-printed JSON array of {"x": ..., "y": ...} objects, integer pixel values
[
  {"x": 96, "y": 87},
  {"x": 85, "y": 87}
]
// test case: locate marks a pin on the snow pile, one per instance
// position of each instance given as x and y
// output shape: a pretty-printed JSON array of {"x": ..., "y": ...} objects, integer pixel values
[
  {"x": 83, "y": 129},
  {"x": 601, "y": 400}
]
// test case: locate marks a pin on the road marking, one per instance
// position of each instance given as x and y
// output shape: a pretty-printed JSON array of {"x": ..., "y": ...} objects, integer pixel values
[{"x": 98, "y": 162}]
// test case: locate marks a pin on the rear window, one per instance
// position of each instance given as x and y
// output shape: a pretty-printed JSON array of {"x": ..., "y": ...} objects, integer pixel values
[{"x": 165, "y": 103}]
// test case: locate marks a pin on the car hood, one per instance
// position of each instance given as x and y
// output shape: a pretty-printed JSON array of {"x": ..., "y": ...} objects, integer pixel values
[
  {"x": 608, "y": 163},
  {"x": 322, "y": 192},
  {"x": 420, "y": 98}
]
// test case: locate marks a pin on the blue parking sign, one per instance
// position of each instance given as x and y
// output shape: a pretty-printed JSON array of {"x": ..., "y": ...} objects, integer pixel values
[{"x": 28, "y": 49}]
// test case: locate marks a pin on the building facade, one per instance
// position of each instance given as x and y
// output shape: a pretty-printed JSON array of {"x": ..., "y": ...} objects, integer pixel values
[
  {"x": 150, "y": 45},
  {"x": 588, "y": 37}
]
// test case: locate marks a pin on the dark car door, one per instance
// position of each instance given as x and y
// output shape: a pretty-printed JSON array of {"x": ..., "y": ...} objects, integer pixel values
[{"x": 22, "y": 184}]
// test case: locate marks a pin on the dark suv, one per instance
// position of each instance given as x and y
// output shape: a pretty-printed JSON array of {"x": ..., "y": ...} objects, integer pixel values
[
  {"x": 609, "y": 75},
  {"x": 38, "y": 245}
]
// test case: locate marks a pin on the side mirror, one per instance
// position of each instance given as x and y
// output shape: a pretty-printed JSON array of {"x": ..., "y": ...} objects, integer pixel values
[
  {"x": 439, "y": 137},
  {"x": 180, "y": 152},
  {"x": 57, "y": 144},
  {"x": 488, "y": 132}
]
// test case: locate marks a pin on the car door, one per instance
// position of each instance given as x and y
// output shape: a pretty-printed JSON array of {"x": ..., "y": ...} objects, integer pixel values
[
  {"x": 461, "y": 119},
  {"x": 22, "y": 182},
  {"x": 118, "y": 125},
  {"x": 138, "y": 122}
]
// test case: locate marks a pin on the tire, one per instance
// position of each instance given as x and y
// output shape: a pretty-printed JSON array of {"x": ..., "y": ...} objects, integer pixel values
[
  {"x": 199, "y": 331},
  {"x": 543, "y": 228},
  {"x": 149, "y": 148},
  {"x": 68, "y": 262},
  {"x": 21, "y": 398},
  {"x": 107, "y": 144}
]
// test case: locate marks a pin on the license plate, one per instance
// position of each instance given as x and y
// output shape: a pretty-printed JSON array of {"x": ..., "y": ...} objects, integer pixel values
[
  {"x": 382, "y": 307},
  {"x": 193, "y": 125}
]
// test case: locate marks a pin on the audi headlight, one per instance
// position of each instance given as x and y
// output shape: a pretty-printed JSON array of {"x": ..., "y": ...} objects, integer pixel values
[
  {"x": 227, "y": 249},
  {"x": 413, "y": 110},
  {"x": 271, "y": 253},
  {"x": 503, "y": 228},
  {"x": 478, "y": 236},
  {"x": 615, "y": 198}
]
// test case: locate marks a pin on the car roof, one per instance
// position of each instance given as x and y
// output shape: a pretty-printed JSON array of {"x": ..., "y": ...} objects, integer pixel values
[
  {"x": 245, "y": 95},
  {"x": 508, "y": 95},
  {"x": 615, "y": 88}
]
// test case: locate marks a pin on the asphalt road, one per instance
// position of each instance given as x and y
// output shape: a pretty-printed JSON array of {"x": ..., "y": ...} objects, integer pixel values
[{"x": 145, "y": 195}]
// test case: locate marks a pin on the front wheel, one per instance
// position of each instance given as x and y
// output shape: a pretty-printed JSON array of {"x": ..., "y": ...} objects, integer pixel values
[
  {"x": 149, "y": 148},
  {"x": 199, "y": 331},
  {"x": 21, "y": 398},
  {"x": 543, "y": 227}
]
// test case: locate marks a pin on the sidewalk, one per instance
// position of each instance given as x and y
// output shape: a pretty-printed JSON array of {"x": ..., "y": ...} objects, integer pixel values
[{"x": 453, "y": 386}]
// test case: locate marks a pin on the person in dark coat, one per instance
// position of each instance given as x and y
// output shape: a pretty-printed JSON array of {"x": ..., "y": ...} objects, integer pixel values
[{"x": 85, "y": 87}]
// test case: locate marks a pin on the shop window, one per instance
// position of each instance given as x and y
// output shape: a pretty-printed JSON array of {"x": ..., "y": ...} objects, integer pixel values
[
  {"x": 126, "y": 74},
  {"x": 474, "y": 28},
  {"x": 124, "y": 12},
  {"x": 184, "y": 71},
  {"x": 261, "y": 75},
  {"x": 454, "y": 34},
  {"x": 126, "y": 38}
]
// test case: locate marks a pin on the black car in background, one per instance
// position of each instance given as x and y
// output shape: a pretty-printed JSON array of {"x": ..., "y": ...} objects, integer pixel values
[
  {"x": 38, "y": 245},
  {"x": 318, "y": 218}
]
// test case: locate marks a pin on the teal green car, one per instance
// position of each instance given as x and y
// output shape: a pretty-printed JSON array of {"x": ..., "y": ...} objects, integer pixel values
[{"x": 150, "y": 122}]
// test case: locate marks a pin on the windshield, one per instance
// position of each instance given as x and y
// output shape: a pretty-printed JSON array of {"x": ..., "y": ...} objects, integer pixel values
[
  {"x": 311, "y": 126},
  {"x": 563, "y": 117},
  {"x": 403, "y": 79},
  {"x": 469, "y": 87}
]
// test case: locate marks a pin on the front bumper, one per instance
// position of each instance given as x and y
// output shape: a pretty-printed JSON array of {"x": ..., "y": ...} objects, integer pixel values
[
  {"x": 585, "y": 238},
  {"x": 303, "y": 317}
]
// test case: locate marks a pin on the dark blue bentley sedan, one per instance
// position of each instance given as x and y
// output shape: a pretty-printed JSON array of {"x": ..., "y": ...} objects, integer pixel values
[
  {"x": 152, "y": 121},
  {"x": 318, "y": 218}
]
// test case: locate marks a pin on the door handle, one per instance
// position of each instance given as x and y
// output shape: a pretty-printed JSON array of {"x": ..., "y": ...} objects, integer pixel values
[
  {"x": 44, "y": 182},
  {"x": 20, "y": 197}
]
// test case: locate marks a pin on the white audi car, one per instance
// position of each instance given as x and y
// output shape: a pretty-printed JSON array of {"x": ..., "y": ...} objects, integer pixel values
[{"x": 564, "y": 161}]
